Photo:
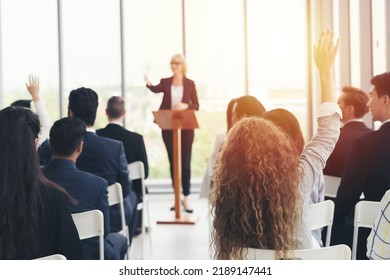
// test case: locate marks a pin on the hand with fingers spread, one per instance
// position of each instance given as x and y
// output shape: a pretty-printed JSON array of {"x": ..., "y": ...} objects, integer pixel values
[
  {"x": 326, "y": 50},
  {"x": 33, "y": 87}
]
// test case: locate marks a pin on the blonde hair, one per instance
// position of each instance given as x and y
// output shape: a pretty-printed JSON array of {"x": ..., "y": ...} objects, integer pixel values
[
  {"x": 256, "y": 200},
  {"x": 183, "y": 61}
]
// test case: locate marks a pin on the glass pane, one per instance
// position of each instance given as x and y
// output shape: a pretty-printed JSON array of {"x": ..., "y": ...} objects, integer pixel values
[
  {"x": 277, "y": 55},
  {"x": 379, "y": 36},
  {"x": 215, "y": 53},
  {"x": 91, "y": 50},
  {"x": 153, "y": 33},
  {"x": 29, "y": 42}
]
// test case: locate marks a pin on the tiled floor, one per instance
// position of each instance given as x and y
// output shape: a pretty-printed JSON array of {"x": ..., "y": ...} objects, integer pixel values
[{"x": 175, "y": 242}]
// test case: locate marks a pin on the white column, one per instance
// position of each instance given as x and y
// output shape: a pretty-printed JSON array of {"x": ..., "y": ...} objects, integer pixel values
[
  {"x": 387, "y": 26},
  {"x": 344, "y": 69}
]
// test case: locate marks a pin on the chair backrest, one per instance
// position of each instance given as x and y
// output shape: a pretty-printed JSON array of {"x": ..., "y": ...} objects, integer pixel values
[
  {"x": 91, "y": 224},
  {"x": 137, "y": 171},
  {"x": 331, "y": 185},
  {"x": 115, "y": 196},
  {"x": 321, "y": 215},
  {"x": 337, "y": 252},
  {"x": 55, "y": 257},
  {"x": 366, "y": 213}
]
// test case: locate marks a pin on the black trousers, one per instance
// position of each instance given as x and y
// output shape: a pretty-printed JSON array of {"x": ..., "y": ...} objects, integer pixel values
[{"x": 187, "y": 138}]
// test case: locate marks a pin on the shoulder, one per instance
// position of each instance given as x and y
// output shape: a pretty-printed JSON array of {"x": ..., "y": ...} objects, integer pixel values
[
  {"x": 91, "y": 178},
  {"x": 189, "y": 81}
]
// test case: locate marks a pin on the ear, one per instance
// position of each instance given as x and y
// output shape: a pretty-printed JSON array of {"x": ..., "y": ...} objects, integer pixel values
[
  {"x": 386, "y": 100},
  {"x": 106, "y": 113},
  {"x": 70, "y": 113},
  {"x": 80, "y": 147},
  {"x": 350, "y": 109}
]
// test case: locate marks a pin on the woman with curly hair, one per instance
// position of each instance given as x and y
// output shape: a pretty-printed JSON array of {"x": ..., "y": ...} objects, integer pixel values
[{"x": 263, "y": 186}]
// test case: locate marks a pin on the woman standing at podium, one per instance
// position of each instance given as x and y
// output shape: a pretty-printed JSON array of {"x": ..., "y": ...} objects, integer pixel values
[{"x": 179, "y": 94}]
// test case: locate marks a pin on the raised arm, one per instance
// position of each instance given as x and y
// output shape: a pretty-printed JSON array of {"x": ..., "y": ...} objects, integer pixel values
[
  {"x": 156, "y": 89},
  {"x": 33, "y": 88}
]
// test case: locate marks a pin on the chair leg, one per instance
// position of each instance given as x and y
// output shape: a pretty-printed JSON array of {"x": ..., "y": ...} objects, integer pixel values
[
  {"x": 354, "y": 243},
  {"x": 328, "y": 234},
  {"x": 149, "y": 222}
]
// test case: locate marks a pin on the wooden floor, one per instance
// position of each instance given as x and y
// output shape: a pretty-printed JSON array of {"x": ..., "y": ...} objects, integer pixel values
[{"x": 175, "y": 242}]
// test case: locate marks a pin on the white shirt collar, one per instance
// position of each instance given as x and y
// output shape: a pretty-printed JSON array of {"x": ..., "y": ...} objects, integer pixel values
[
  {"x": 386, "y": 121},
  {"x": 354, "y": 120},
  {"x": 91, "y": 129},
  {"x": 117, "y": 123}
]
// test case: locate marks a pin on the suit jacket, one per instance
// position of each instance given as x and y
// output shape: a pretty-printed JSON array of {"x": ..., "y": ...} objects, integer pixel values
[
  {"x": 366, "y": 171},
  {"x": 134, "y": 148},
  {"x": 89, "y": 190},
  {"x": 337, "y": 160},
  {"x": 190, "y": 96}
]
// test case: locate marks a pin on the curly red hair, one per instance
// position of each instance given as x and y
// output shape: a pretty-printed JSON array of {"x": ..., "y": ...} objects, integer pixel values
[{"x": 256, "y": 200}]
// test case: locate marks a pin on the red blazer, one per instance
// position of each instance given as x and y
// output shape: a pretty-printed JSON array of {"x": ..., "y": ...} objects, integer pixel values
[{"x": 190, "y": 96}]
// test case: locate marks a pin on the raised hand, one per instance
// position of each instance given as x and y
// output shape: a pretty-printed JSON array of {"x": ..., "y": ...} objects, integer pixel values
[
  {"x": 33, "y": 87},
  {"x": 146, "y": 79},
  {"x": 326, "y": 50}
]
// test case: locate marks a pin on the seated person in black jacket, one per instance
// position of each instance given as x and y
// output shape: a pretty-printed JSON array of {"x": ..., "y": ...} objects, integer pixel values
[
  {"x": 367, "y": 168},
  {"x": 101, "y": 156},
  {"x": 133, "y": 142},
  {"x": 66, "y": 142},
  {"x": 353, "y": 104}
]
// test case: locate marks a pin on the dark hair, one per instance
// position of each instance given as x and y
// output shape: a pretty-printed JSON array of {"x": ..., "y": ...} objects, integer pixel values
[
  {"x": 382, "y": 84},
  {"x": 249, "y": 106},
  {"x": 66, "y": 135},
  {"x": 357, "y": 98},
  {"x": 22, "y": 103},
  {"x": 229, "y": 113},
  {"x": 115, "y": 107},
  {"x": 83, "y": 103},
  {"x": 21, "y": 182},
  {"x": 289, "y": 124}
]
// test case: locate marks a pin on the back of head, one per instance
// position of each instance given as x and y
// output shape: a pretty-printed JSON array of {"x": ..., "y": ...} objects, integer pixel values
[
  {"x": 19, "y": 180},
  {"x": 115, "y": 107},
  {"x": 249, "y": 106},
  {"x": 382, "y": 84},
  {"x": 66, "y": 135},
  {"x": 256, "y": 199},
  {"x": 357, "y": 98},
  {"x": 22, "y": 103},
  {"x": 289, "y": 124},
  {"x": 83, "y": 103}
]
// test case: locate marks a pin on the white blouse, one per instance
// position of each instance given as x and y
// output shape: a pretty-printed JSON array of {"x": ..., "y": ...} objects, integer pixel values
[{"x": 176, "y": 95}]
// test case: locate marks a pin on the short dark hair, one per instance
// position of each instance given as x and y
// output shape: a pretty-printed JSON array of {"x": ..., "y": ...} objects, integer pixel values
[
  {"x": 66, "y": 135},
  {"x": 357, "y": 98},
  {"x": 83, "y": 103},
  {"x": 115, "y": 107},
  {"x": 249, "y": 106},
  {"x": 382, "y": 84},
  {"x": 22, "y": 103}
]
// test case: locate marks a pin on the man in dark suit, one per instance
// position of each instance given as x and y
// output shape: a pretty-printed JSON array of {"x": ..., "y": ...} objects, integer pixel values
[
  {"x": 133, "y": 142},
  {"x": 367, "y": 168},
  {"x": 353, "y": 104},
  {"x": 90, "y": 191},
  {"x": 101, "y": 156}
]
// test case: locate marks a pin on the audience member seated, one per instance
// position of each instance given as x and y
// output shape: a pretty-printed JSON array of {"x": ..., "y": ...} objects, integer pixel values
[
  {"x": 378, "y": 242},
  {"x": 133, "y": 142},
  {"x": 262, "y": 185},
  {"x": 35, "y": 220},
  {"x": 33, "y": 88},
  {"x": 206, "y": 184},
  {"x": 66, "y": 142},
  {"x": 101, "y": 156},
  {"x": 246, "y": 106},
  {"x": 367, "y": 168},
  {"x": 353, "y": 105},
  {"x": 289, "y": 124}
]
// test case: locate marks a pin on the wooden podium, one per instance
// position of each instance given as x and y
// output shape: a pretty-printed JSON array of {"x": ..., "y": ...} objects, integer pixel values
[{"x": 176, "y": 121}]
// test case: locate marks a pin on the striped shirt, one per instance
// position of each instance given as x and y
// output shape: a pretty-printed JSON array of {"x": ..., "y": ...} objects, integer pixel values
[{"x": 378, "y": 243}]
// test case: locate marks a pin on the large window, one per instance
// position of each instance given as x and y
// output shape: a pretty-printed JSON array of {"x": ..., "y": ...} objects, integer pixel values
[
  {"x": 29, "y": 45},
  {"x": 379, "y": 36},
  {"x": 277, "y": 55},
  {"x": 91, "y": 48}
]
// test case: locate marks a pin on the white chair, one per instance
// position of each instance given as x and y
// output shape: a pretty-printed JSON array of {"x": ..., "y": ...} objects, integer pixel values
[
  {"x": 321, "y": 215},
  {"x": 55, "y": 257},
  {"x": 365, "y": 216},
  {"x": 115, "y": 196},
  {"x": 137, "y": 172},
  {"x": 338, "y": 252},
  {"x": 91, "y": 224},
  {"x": 331, "y": 185}
]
